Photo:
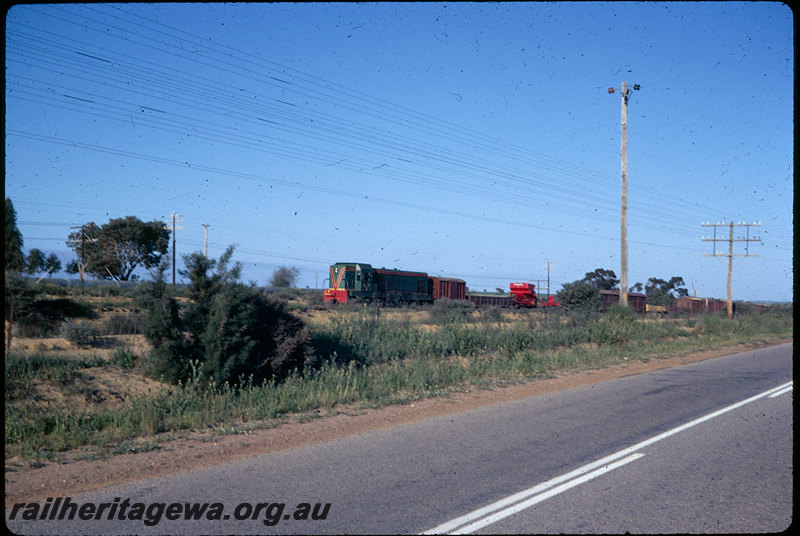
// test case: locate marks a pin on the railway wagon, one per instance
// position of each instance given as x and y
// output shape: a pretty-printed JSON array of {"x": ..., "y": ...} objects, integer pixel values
[
  {"x": 636, "y": 300},
  {"x": 447, "y": 287},
  {"x": 690, "y": 305},
  {"x": 487, "y": 299},
  {"x": 358, "y": 281}
]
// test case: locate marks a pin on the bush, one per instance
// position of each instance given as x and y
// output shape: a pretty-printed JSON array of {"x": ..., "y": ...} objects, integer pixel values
[
  {"x": 621, "y": 313},
  {"x": 579, "y": 296},
  {"x": 122, "y": 324},
  {"x": 616, "y": 326},
  {"x": 249, "y": 336},
  {"x": 234, "y": 332},
  {"x": 51, "y": 289},
  {"x": 81, "y": 333},
  {"x": 62, "y": 308},
  {"x": 123, "y": 358}
]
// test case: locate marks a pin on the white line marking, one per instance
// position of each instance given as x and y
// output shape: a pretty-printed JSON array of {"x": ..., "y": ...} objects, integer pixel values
[
  {"x": 502, "y": 514},
  {"x": 609, "y": 460},
  {"x": 781, "y": 392}
]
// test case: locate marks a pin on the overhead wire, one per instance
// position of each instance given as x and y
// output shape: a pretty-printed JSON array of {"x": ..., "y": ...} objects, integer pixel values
[
  {"x": 515, "y": 199},
  {"x": 661, "y": 200},
  {"x": 515, "y": 175}
]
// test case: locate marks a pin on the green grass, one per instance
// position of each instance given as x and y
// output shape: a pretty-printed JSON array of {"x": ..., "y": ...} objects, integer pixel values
[{"x": 372, "y": 362}]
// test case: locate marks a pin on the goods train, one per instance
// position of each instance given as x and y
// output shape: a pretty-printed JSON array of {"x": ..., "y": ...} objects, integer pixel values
[{"x": 351, "y": 281}]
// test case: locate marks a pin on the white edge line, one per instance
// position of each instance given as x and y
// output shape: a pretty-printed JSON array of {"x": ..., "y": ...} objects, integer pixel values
[
  {"x": 503, "y": 503},
  {"x": 469, "y": 529},
  {"x": 781, "y": 392}
]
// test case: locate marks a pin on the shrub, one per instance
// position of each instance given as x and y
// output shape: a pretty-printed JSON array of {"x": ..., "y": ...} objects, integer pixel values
[
  {"x": 122, "y": 324},
  {"x": 616, "y": 326},
  {"x": 579, "y": 296},
  {"x": 123, "y": 357},
  {"x": 621, "y": 313},
  {"x": 52, "y": 289},
  {"x": 81, "y": 333},
  {"x": 162, "y": 326},
  {"x": 235, "y": 332}
]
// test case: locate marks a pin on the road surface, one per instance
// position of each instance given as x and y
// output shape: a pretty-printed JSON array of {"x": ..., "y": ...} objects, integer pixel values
[{"x": 704, "y": 447}]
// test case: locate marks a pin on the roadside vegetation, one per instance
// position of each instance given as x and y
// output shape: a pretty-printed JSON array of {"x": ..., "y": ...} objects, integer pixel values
[
  {"x": 103, "y": 370},
  {"x": 338, "y": 357}
]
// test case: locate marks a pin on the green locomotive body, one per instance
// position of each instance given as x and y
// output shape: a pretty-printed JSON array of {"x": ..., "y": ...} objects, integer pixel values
[{"x": 357, "y": 281}]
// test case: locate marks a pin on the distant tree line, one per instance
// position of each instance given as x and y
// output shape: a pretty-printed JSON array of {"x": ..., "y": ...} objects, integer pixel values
[
  {"x": 114, "y": 250},
  {"x": 584, "y": 294}
]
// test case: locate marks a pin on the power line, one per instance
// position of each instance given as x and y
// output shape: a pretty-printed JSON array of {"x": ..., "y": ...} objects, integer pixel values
[
  {"x": 349, "y": 135},
  {"x": 746, "y": 240},
  {"x": 301, "y": 186},
  {"x": 327, "y": 86}
]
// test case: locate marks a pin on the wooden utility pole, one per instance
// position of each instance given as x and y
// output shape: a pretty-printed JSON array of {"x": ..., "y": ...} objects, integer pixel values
[
  {"x": 623, "y": 217},
  {"x": 205, "y": 242},
  {"x": 730, "y": 253},
  {"x": 173, "y": 227},
  {"x": 548, "y": 266}
]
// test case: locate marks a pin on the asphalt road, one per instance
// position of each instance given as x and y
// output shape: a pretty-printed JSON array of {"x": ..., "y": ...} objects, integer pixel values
[{"x": 705, "y": 447}]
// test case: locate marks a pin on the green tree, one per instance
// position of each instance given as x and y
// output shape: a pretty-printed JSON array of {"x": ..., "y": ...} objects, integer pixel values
[
  {"x": 117, "y": 248},
  {"x": 234, "y": 332},
  {"x": 284, "y": 276},
  {"x": 72, "y": 267},
  {"x": 664, "y": 293},
  {"x": 52, "y": 264},
  {"x": 579, "y": 296},
  {"x": 20, "y": 297},
  {"x": 14, "y": 259},
  {"x": 35, "y": 262},
  {"x": 84, "y": 243},
  {"x": 170, "y": 357},
  {"x": 602, "y": 279}
]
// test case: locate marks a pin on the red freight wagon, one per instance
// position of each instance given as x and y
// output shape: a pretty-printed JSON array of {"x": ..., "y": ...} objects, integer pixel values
[
  {"x": 691, "y": 305},
  {"x": 714, "y": 305},
  {"x": 636, "y": 300},
  {"x": 486, "y": 299},
  {"x": 447, "y": 287}
]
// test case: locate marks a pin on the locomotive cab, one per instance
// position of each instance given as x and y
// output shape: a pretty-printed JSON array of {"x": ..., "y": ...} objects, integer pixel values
[{"x": 348, "y": 280}]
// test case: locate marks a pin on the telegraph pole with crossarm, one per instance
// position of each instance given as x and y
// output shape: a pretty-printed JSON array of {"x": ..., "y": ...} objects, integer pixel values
[{"x": 746, "y": 239}]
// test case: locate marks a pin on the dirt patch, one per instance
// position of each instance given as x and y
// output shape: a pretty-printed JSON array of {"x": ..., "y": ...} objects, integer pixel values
[{"x": 191, "y": 450}]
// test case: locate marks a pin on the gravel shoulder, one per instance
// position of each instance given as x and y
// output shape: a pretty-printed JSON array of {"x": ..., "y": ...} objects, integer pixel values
[{"x": 191, "y": 450}]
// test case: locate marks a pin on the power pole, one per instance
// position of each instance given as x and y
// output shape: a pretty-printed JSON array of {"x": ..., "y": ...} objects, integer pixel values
[
  {"x": 623, "y": 217},
  {"x": 173, "y": 227},
  {"x": 548, "y": 266},
  {"x": 730, "y": 253},
  {"x": 205, "y": 242}
]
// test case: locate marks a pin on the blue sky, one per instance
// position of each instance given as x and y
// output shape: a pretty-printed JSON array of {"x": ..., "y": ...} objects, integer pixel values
[{"x": 469, "y": 140}]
